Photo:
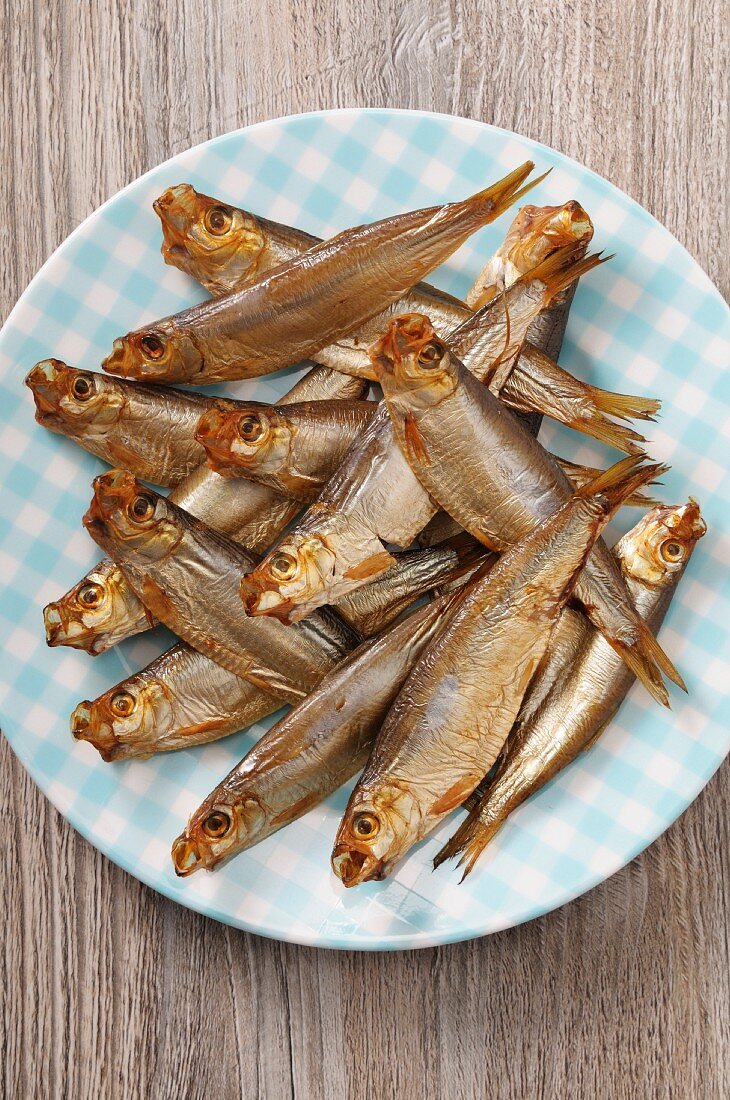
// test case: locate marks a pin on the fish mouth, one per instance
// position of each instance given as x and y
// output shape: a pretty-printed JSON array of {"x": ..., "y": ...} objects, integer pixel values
[
  {"x": 116, "y": 360},
  {"x": 689, "y": 523},
  {"x": 113, "y": 490},
  {"x": 215, "y": 432},
  {"x": 170, "y": 206},
  {"x": 54, "y": 620},
  {"x": 44, "y": 382},
  {"x": 266, "y": 601},
  {"x": 99, "y": 734},
  {"x": 65, "y": 628},
  {"x": 186, "y": 857},
  {"x": 566, "y": 224},
  {"x": 354, "y": 866}
]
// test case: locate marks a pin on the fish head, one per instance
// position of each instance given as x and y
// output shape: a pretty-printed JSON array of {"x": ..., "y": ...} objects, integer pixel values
[
  {"x": 126, "y": 513},
  {"x": 156, "y": 354},
  {"x": 254, "y": 436},
  {"x": 223, "y": 825},
  {"x": 378, "y": 827},
  {"x": 218, "y": 244},
  {"x": 126, "y": 718},
  {"x": 412, "y": 364},
  {"x": 73, "y": 401},
  {"x": 658, "y": 548},
  {"x": 537, "y": 231},
  {"x": 287, "y": 581},
  {"x": 95, "y": 613}
]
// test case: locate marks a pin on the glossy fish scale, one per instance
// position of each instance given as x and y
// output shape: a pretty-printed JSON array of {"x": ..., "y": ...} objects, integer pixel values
[
  {"x": 446, "y": 423},
  {"x": 311, "y": 300},
  {"x": 583, "y": 683},
  {"x": 374, "y": 497},
  {"x": 252, "y": 514},
  {"x": 455, "y": 710},
  {"x": 607, "y": 805},
  {"x": 311, "y": 751}
]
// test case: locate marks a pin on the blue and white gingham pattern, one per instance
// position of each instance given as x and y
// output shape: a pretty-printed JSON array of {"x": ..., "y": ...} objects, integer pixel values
[{"x": 648, "y": 322}]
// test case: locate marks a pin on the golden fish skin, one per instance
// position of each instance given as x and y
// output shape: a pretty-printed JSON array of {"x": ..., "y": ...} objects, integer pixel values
[
  {"x": 311, "y": 751},
  {"x": 578, "y": 697},
  {"x": 540, "y": 382},
  {"x": 222, "y": 246},
  {"x": 310, "y": 301},
  {"x": 472, "y": 456},
  {"x": 374, "y": 497},
  {"x": 534, "y": 232},
  {"x": 372, "y": 608},
  {"x": 145, "y": 430},
  {"x": 98, "y": 617},
  {"x": 179, "y": 700},
  {"x": 188, "y": 575},
  {"x": 536, "y": 384},
  {"x": 533, "y": 235},
  {"x": 455, "y": 710},
  {"x": 100, "y": 611},
  {"x": 294, "y": 449}
]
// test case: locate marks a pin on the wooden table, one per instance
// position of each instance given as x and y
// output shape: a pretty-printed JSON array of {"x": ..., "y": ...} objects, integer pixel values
[{"x": 108, "y": 990}]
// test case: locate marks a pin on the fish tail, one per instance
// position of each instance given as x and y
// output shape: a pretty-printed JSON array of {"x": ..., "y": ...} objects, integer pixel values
[
  {"x": 642, "y": 500},
  {"x": 643, "y": 654},
  {"x": 609, "y": 432},
  {"x": 583, "y": 475},
  {"x": 499, "y": 196},
  {"x": 625, "y": 406},
  {"x": 622, "y": 480},
  {"x": 469, "y": 841},
  {"x": 655, "y": 652},
  {"x": 563, "y": 267}
]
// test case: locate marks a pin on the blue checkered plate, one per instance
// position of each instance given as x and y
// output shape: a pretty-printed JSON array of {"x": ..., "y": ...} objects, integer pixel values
[{"x": 648, "y": 322}]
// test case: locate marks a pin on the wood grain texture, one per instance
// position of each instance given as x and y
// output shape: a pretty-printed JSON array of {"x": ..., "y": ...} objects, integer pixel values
[{"x": 107, "y": 989}]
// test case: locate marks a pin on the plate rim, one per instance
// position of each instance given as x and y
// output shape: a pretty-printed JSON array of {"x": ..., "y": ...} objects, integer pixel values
[{"x": 205, "y": 905}]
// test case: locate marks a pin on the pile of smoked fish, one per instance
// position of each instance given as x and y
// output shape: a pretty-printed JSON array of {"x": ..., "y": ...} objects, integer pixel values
[{"x": 387, "y": 550}]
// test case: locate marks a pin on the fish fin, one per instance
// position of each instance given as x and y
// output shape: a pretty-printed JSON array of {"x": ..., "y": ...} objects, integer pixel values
[
  {"x": 371, "y": 567},
  {"x": 592, "y": 740},
  {"x": 643, "y": 669},
  {"x": 454, "y": 796},
  {"x": 622, "y": 480},
  {"x": 644, "y": 656},
  {"x": 626, "y": 406},
  {"x": 563, "y": 267},
  {"x": 581, "y": 475},
  {"x": 499, "y": 196},
  {"x": 484, "y": 296},
  {"x": 609, "y": 432},
  {"x": 415, "y": 447},
  {"x": 469, "y": 841},
  {"x": 656, "y": 653}
]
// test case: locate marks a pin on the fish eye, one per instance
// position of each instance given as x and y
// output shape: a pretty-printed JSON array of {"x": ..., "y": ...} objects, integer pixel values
[
  {"x": 141, "y": 508},
  {"x": 366, "y": 826},
  {"x": 283, "y": 566},
  {"x": 217, "y": 824},
  {"x": 152, "y": 345},
  {"x": 82, "y": 387},
  {"x": 250, "y": 428},
  {"x": 90, "y": 594},
  {"x": 122, "y": 704},
  {"x": 431, "y": 354},
  {"x": 218, "y": 220},
  {"x": 671, "y": 551}
]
